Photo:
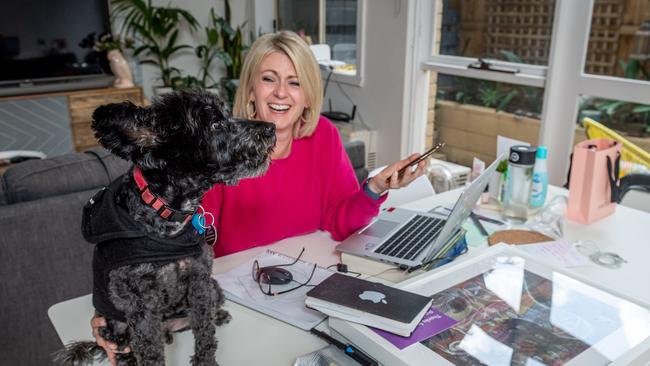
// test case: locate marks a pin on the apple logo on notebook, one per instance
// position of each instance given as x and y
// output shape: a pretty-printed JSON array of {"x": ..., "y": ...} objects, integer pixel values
[{"x": 373, "y": 296}]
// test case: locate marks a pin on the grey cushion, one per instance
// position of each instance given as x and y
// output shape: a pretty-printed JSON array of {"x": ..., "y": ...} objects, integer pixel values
[
  {"x": 3, "y": 197},
  {"x": 45, "y": 260},
  {"x": 357, "y": 153},
  {"x": 75, "y": 172}
]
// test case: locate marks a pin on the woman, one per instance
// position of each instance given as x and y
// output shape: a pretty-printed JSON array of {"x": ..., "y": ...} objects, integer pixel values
[{"x": 310, "y": 184}]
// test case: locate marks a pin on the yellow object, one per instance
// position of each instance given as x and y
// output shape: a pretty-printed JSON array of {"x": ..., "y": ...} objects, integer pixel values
[{"x": 633, "y": 158}]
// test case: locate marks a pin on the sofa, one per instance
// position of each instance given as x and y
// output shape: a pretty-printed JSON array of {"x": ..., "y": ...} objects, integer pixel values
[{"x": 44, "y": 258}]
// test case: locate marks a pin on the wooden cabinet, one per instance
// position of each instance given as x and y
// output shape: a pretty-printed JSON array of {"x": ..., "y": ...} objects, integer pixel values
[
  {"x": 82, "y": 104},
  {"x": 56, "y": 123}
]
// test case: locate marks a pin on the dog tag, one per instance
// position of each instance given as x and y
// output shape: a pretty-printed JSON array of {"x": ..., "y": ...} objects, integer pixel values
[
  {"x": 198, "y": 222},
  {"x": 210, "y": 235}
]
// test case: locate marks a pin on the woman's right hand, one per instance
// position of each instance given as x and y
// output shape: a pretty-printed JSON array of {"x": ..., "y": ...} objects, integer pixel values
[{"x": 111, "y": 348}]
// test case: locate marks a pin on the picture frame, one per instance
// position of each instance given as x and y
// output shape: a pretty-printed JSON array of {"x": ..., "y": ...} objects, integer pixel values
[{"x": 513, "y": 309}]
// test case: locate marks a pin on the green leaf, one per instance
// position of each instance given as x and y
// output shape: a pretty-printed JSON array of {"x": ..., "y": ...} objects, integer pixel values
[
  {"x": 506, "y": 100},
  {"x": 170, "y": 51},
  {"x": 172, "y": 40},
  {"x": 226, "y": 28},
  {"x": 139, "y": 50},
  {"x": 213, "y": 36},
  {"x": 510, "y": 56},
  {"x": 201, "y": 51},
  {"x": 612, "y": 107},
  {"x": 641, "y": 109},
  {"x": 225, "y": 58},
  {"x": 148, "y": 62}
]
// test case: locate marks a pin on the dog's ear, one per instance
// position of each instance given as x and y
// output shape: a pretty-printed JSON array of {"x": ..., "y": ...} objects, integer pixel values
[{"x": 124, "y": 128}]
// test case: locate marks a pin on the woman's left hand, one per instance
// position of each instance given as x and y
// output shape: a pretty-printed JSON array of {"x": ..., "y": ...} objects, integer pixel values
[{"x": 388, "y": 178}]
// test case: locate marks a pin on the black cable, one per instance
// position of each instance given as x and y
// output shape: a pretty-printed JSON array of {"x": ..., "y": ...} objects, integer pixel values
[
  {"x": 327, "y": 81},
  {"x": 343, "y": 268}
]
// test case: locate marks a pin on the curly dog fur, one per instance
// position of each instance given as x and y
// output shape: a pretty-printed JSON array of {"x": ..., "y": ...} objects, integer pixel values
[{"x": 183, "y": 144}]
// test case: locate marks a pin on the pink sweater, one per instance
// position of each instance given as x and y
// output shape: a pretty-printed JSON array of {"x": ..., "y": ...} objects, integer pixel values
[{"x": 313, "y": 188}]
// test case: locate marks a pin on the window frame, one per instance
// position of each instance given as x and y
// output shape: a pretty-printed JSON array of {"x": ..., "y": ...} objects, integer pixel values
[
  {"x": 357, "y": 79},
  {"x": 563, "y": 85}
]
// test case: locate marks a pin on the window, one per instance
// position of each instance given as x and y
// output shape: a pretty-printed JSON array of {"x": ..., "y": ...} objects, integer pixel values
[
  {"x": 619, "y": 40},
  {"x": 515, "y": 31},
  {"x": 492, "y": 54},
  {"x": 594, "y": 60},
  {"x": 336, "y": 23},
  {"x": 341, "y": 29},
  {"x": 470, "y": 114}
]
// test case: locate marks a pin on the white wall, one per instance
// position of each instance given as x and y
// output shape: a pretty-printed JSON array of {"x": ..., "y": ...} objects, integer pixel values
[
  {"x": 379, "y": 98},
  {"x": 262, "y": 15}
]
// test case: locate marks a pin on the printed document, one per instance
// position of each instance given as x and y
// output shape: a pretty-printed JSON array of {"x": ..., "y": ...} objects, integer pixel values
[{"x": 239, "y": 286}]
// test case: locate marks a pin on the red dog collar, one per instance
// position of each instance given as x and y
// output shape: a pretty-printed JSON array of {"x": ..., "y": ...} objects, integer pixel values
[{"x": 157, "y": 203}]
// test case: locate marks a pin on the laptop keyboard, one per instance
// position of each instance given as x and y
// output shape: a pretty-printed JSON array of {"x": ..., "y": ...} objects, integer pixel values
[{"x": 411, "y": 239}]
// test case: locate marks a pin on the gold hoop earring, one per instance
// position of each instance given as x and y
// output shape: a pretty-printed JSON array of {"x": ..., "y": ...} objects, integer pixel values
[
  {"x": 302, "y": 116},
  {"x": 250, "y": 105}
]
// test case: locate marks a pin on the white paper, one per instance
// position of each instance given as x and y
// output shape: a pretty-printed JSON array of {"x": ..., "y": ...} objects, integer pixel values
[
  {"x": 504, "y": 144},
  {"x": 559, "y": 252},
  {"x": 239, "y": 286}
]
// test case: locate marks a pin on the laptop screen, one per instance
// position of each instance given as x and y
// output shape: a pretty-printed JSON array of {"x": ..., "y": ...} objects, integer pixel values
[{"x": 462, "y": 208}]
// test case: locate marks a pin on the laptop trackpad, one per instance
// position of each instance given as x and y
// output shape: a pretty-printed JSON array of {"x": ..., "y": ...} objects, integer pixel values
[{"x": 380, "y": 228}]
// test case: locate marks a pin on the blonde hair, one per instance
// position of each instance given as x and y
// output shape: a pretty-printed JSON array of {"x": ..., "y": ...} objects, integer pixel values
[{"x": 307, "y": 71}]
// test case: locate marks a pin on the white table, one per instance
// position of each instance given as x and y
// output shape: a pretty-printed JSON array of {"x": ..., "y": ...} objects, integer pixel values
[{"x": 252, "y": 338}]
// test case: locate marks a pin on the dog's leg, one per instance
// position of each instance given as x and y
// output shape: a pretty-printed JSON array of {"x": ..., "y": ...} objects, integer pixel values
[
  {"x": 202, "y": 308},
  {"x": 136, "y": 292},
  {"x": 147, "y": 338}
]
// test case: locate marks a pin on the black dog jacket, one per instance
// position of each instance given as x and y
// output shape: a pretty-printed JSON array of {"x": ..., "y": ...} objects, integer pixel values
[{"x": 120, "y": 242}]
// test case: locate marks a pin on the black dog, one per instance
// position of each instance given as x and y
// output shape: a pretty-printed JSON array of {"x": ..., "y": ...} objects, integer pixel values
[{"x": 151, "y": 268}]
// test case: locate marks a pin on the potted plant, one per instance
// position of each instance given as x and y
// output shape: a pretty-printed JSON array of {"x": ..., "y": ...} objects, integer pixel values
[
  {"x": 207, "y": 53},
  {"x": 155, "y": 30}
]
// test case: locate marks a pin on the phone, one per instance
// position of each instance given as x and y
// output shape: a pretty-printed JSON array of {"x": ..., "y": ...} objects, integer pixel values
[{"x": 425, "y": 155}]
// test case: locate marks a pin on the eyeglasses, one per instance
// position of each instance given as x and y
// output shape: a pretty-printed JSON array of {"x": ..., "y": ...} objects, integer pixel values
[{"x": 269, "y": 276}]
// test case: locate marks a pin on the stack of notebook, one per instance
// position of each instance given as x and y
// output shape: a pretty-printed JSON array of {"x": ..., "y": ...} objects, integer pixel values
[{"x": 369, "y": 303}]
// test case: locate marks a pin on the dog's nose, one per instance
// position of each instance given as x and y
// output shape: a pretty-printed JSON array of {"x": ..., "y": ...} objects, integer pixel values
[{"x": 267, "y": 128}]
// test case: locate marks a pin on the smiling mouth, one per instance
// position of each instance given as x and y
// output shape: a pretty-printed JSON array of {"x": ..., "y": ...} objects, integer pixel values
[{"x": 279, "y": 107}]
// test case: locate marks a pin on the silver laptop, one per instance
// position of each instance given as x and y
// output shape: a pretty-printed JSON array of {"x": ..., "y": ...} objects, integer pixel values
[{"x": 412, "y": 238}]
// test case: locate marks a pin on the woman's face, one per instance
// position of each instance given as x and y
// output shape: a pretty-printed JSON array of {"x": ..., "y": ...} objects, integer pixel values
[{"x": 277, "y": 93}]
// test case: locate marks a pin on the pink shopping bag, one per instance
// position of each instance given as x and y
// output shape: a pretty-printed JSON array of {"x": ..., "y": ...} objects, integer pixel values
[{"x": 590, "y": 186}]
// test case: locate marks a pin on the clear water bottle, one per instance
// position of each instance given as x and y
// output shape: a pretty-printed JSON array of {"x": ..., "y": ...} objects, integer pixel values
[{"x": 518, "y": 183}]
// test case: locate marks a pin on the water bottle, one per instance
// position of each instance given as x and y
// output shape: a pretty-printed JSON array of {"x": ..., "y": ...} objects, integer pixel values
[
  {"x": 540, "y": 179},
  {"x": 519, "y": 183}
]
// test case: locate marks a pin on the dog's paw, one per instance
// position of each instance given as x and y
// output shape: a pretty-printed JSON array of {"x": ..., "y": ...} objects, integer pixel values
[
  {"x": 223, "y": 317},
  {"x": 197, "y": 361}
]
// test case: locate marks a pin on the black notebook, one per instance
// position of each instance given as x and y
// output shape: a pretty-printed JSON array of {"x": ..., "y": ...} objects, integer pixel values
[{"x": 369, "y": 303}]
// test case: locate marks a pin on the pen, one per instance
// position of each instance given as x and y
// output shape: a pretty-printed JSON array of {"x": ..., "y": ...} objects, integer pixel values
[
  {"x": 348, "y": 349},
  {"x": 488, "y": 219},
  {"x": 478, "y": 224}
]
